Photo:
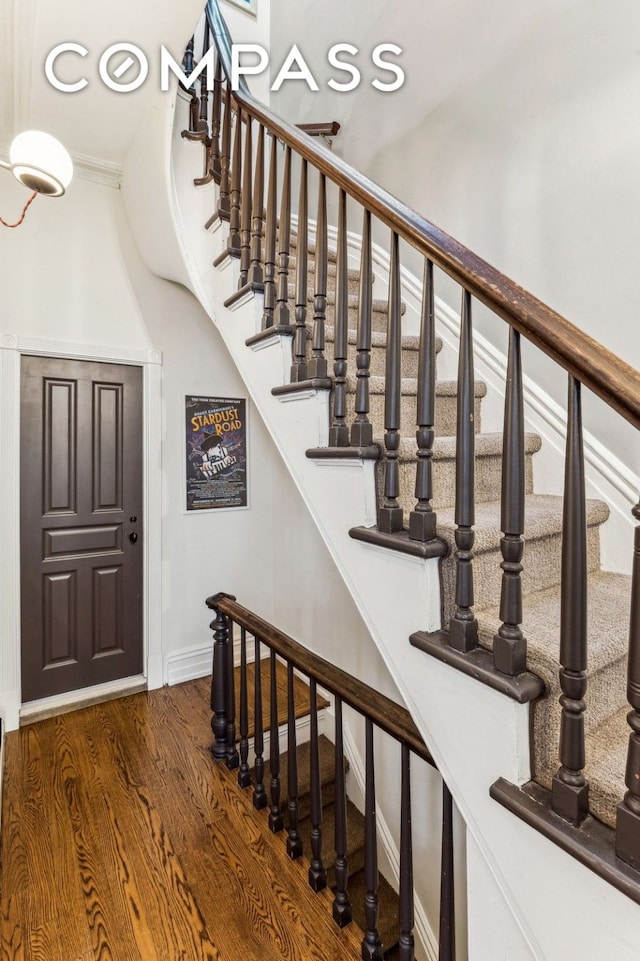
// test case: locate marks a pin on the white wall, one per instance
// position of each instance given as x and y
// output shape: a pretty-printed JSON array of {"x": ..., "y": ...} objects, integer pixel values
[
  {"x": 72, "y": 274},
  {"x": 62, "y": 270}
]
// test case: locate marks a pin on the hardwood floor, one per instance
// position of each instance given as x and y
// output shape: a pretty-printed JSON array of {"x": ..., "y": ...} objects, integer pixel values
[{"x": 123, "y": 841}]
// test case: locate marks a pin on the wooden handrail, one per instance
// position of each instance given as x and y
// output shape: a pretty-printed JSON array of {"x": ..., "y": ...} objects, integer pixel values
[
  {"x": 385, "y": 713},
  {"x": 607, "y": 375},
  {"x": 328, "y": 129}
]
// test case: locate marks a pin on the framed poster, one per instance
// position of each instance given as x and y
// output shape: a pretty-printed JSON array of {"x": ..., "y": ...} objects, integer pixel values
[
  {"x": 215, "y": 453},
  {"x": 251, "y": 6}
]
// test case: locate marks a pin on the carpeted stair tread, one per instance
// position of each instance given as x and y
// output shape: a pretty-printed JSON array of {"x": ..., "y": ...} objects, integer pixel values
[
  {"x": 355, "y": 839},
  {"x": 388, "y": 904},
  {"x": 444, "y": 448},
  {"x": 606, "y": 761},
  {"x": 409, "y": 386},
  {"x": 488, "y": 469},
  {"x": 409, "y": 358},
  {"x": 542, "y": 553},
  {"x": 543, "y": 517},
  {"x": 326, "y": 752},
  {"x": 410, "y": 342},
  {"x": 609, "y": 595},
  {"x": 377, "y": 306},
  {"x": 332, "y": 255},
  {"x": 353, "y": 274}
]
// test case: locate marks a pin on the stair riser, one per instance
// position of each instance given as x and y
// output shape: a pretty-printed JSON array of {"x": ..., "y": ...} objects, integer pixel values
[
  {"x": 378, "y": 318},
  {"x": 355, "y": 864},
  {"x": 541, "y": 569},
  {"x": 446, "y": 414},
  {"x": 409, "y": 360},
  {"x": 605, "y": 696},
  {"x": 488, "y": 481},
  {"x": 353, "y": 279}
]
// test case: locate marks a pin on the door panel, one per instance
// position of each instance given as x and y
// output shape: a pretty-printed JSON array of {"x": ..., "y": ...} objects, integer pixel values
[{"x": 81, "y": 481}]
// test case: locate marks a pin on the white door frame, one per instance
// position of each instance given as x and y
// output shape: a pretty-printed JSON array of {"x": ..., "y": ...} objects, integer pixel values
[{"x": 12, "y": 346}]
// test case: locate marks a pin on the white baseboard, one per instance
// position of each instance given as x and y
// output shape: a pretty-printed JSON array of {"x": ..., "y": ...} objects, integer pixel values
[{"x": 194, "y": 662}]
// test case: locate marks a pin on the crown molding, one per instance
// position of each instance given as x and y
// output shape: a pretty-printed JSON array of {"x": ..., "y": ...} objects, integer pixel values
[{"x": 98, "y": 171}]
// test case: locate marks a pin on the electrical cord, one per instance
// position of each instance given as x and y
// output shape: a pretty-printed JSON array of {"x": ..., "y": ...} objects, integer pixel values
[{"x": 24, "y": 212}]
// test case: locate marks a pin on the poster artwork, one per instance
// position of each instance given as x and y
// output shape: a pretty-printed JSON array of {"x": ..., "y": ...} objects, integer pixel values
[{"x": 216, "y": 452}]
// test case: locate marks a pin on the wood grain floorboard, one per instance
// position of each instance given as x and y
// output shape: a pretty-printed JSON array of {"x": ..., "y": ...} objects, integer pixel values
[
  {"x": 225, "y": 854},
  {"x": 123, "y": 841}
]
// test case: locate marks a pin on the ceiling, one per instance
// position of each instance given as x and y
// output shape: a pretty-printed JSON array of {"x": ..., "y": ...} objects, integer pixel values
[{"x": 96, "y": 124}]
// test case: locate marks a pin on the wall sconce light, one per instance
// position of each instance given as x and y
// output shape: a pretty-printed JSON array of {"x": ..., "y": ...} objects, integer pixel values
[{"x": 41, "y": 163}]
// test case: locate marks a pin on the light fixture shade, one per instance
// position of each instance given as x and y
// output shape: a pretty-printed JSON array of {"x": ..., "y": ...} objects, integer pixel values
[{"x": 41, "y": 163}]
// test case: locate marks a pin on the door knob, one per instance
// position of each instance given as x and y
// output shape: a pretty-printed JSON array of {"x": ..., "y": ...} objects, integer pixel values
[{"x": 133, "y": 537}]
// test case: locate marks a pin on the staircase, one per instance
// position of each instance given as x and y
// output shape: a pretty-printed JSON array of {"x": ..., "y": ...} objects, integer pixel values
[
  {"x": 607, "y": 731},
  {"x": 319, "y": 359},
  {"x": 388, "y": 898}
]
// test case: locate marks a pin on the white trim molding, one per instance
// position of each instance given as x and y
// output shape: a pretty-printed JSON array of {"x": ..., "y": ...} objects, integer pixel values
[
  {"x": 97, "y": 171},
  {"x": 12, "y": 346}
]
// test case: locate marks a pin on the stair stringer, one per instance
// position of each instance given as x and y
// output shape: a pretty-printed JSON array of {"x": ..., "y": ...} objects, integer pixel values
[{"x": 547, "y": 905}]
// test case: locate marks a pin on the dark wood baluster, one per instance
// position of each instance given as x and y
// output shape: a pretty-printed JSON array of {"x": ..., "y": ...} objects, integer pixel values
[
  {"x": 339, "y": 431},
  {"x": 405, "y": 911},
  {"x": 216, "y": 116},
  {"x": 318, "y": 368},
  {"x": 342, "y": 911},
  {"x": 276, "y": 819},
  {"x": 317, "y": 873},
  {"x": 224, "y": 200},
  {"x": 194, "y": 106},
  {"x": 233, "y": 245},
  {"x": 570, "y": 789},
  {"x": 203, "y": 124},
  {"x": 509, "y": 644},
  {"x": 447, "y": 939},
  {"x": 299, "y": 365},
  {"x": 244, "y": 774},
  {"x": 362, "y": 428},
  {"x": 422, "y": 519},
  {"x": 371, "y": 944},
  {"x": 203, "y": 119},
  {"x": 628, "y": 820},
  {"x": 284, "y": 244},
  {"x": 390, "y": 514},
  {"x": 270, "y": 240},
  {"x": 220, "y": 628},
  {"x": 463, "y": 626},
  {"x": 294, "y": 841},
  {"x": 233, "y": 759},
  {"x": 259, "y": 793},
  {"x": 245, "y": 232},
  {"x": 256, "y": 276}
]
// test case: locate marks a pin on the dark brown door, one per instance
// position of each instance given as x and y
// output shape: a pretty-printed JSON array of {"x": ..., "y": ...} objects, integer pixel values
[{"x": 81, "y": 524}]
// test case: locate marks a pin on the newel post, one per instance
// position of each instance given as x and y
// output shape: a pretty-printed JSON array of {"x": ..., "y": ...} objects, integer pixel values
[
  {"x": 220, "y": 696},
  {"x": 628, "y": 820}
]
